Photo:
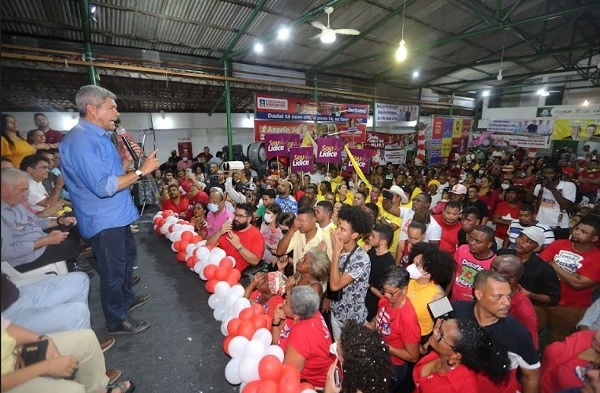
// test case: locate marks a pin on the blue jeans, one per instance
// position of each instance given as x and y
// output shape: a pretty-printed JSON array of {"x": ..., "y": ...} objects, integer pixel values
[
  {"x": 399, "y": 375},
  {"x": 115, "y": 252},
  {"x": 52, "y": 305}
]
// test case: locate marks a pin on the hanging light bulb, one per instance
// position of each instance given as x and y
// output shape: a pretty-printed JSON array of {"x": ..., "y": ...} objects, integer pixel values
[
  {"x": 401, "y": 52},
  {"x": 499, "y": 77}
]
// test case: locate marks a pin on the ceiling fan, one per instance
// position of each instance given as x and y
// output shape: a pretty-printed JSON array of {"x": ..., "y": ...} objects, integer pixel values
[{"x": 327, "y": 34}]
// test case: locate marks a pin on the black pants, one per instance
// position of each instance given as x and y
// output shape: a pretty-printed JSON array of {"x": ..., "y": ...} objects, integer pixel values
[{"x": 68, "y": 249}]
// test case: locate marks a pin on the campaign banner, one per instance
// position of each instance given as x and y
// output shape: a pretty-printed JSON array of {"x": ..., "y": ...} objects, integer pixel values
[
  {"x": 302, "y": 159},
  {"x": 569, "y": 111},
  {"x": 394, "y": 113},
  {"x": 525, "y": 141},
  {"x": 263, "y": 127},
  {"x": 540, "y": 126},
  {"x": 447, "y": 127},
  {"x": 329, "y": 150},
  {"x": 278, "y": 145},
  {"x": 435, "y": 155},
  {"x": 363, "y": 159},
  {"x": 576, "y": 129},
  {"x": 396, "y": 156},
  {"x": 437, "y": 132},
  {"x": 464, "y": 136},
  {"x": 279, "y": 108}
]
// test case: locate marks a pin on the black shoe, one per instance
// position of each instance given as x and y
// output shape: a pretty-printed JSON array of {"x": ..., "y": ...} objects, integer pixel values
[
  {"x": 89, "y": 272},
  {"x": 135, "y": 280},
  {"x": 139, "y": 302},
  {"x": 130, "y": 326}
]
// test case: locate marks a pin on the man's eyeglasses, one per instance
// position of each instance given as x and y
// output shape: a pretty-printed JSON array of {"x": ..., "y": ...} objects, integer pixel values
[
  {"x": 240, "y": 215},
  {"x": 441, "y": 333},
  {"x": 384, "y": 291}
]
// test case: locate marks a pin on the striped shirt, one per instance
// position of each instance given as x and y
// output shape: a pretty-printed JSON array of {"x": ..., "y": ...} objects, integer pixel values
[{"x": 515, "y": 229}]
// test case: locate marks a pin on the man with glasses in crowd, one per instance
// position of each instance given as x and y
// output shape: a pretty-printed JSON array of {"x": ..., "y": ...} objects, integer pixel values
[{"x": 240, "y": 239}]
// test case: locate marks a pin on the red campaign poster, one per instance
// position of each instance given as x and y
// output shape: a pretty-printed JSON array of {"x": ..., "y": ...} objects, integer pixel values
[
  {"x": 301, "y": 159},
  {"x": 352, "y": 133},
  {"x": 184, "y": 148},
  {"x": 263, "y": 127},
  {"x": 438, "y": 123},
  {"x": 377, "y": 140},
  {"x": 464, "y": 136}
]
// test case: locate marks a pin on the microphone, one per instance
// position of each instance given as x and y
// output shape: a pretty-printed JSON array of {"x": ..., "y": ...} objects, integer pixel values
[{"x": 122, "y": 133}]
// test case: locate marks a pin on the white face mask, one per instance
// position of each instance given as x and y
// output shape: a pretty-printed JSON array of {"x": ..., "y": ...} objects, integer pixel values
[
  {"x": 327, "y": 178},
  {"x": 505, "y": 186},
  {"x": 184, "y": 158},
  {"x": 212, "y": 207},
  {"x": 414, "y": 272},
  {"x": 268, "y": 218}
]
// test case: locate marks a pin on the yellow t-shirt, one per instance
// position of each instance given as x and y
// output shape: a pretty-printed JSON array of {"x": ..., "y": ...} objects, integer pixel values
[
  {"x": 396, "y": 220},
  {"x": 349, "y": 198},
  {"x": 16, "y": 154},
  {"x": 419, "y": 296},
  {"x": 8, "y": 347},
  {"x": 299, "y": 245}
]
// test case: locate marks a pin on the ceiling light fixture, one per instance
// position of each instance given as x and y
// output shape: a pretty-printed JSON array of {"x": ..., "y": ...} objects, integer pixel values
[
  {"x": 258, "y": 47},
  {"x": 485, "y": 93},
  {"x": 401, "y": 52},
  {"x": 328, "y": 36},
  {"x": 543, "y": 93},
  {"x": 586, "y": 103},
  {"x": 415, "y": 74},
  {"x": 93, "y": 13},
  {"x": 283, "y": 33}
]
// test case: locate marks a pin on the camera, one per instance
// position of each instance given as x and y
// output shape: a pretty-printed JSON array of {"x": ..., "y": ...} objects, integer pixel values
[
  {"x": 387, "y": 194},
  {"x": 232, "y": 166},
  {"x": 541, "y": 179}
]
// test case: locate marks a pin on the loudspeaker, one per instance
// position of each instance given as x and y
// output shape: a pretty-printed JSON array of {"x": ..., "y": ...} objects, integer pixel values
[
  {"x": 142, "y": 193},
  {"x": 238, "y": 153}
]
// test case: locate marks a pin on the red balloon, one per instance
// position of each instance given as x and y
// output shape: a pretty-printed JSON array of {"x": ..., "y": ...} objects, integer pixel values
[
  {"x": 289, "y": 371},
  {"x": 247, "y": 314},
  {"x": 258, "y": 309},
  {"x": 209, "y": 271},
  {"x": 167, "y": 213},
  {"x": 156, "y": 220},
  {"x": 269, "y": 368},
  {"x": 176, "y": 245},
  {"x": 191, "y": 261},
  {"x": 170, "y": 229},
  {"x": 187, "y": 236},
  {"x": 268, "y": 321},
  {"x": 158, "y": 232},
  {"x": 233, "y": 277},
  {"x": 251, "y": 387},
  {"x": 259, "y": 322},
  {"x": 183, "y": 245},
  {"x": 196, "y": 239},
  {"x": 233, "y": 326},
  {"x": 161, "y": 222},
  {"x": 289, "y": 384},
  {"x": 210, "y": 286},
  {"x": 226, "y": 342},
  {"x": 246, "y": 329},
  {"x": 267, "y": 387},
  {"x": 227, "y": 263},
  {"x": 181, "y": 255},
  {"x": 221, "y": 273}
]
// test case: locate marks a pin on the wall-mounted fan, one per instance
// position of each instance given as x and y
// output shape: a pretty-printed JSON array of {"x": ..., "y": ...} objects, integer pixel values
[{"x": 327, "y": 34}]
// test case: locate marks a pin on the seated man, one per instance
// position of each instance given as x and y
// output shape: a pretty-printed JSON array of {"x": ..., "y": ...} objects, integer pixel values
[
  {"x": 39, "y": 201},
  {"x": 239, "y": 239},
  {"x": 25, "y": 245},
  {"x": 51, "y": 305},
  {"x": 177, "y": 203}
]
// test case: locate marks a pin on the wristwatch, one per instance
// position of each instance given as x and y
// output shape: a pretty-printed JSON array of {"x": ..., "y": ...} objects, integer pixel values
[
  {"x": 240, "y": 248},
  {"x": 139, "y": 174}
]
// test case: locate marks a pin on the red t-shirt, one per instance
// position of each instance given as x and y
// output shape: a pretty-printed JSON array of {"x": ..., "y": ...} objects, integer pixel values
[
  {"x": 284, "y": 333},
  {"x": 251, "y": 239},
  {"x": 571, "y": 261},
  {"x": 201, "y": 197},
  {"x": 503, "y": 209},
  {"x": 459, "y": 380},
  {"x": 491, "y": 200},
  {"x": 587, "y": 188},
  {"x": 522, "y": 309},
  {"x": 270, "y": 305},
  {"x": 311, "y": 339},
  {"x": 467, "y": 267},
  {"x": 560, "y": 360},
  {"x": 397, "y": 325},
  {"x": 181, "y": 208},
  {"x": 449, "y": 234}
]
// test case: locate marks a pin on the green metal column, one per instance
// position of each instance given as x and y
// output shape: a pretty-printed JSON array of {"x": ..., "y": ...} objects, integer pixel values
[
  {"x": 374, "y": 103},
  {"x": 87, "y": 38},
  {"x": 451, "y": 104},
  {"x": 228, "y": 111}
]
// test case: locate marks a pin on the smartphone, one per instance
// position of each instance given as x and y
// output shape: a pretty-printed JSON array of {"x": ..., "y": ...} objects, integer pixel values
[
  {"x": 336, "y": 378},
  {"x": 440, "y": 307},
  {"x": 189, "y": 171}
]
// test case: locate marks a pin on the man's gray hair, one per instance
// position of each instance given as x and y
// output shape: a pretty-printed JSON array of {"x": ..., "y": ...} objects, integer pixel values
[
  {"x": 304, "y": 301},
  {"x": 91, "y": 95},
  {"x": 12, "y": 176}
]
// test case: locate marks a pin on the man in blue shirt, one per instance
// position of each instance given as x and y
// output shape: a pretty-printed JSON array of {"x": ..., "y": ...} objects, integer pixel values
[{"x": 98, "y": 181}]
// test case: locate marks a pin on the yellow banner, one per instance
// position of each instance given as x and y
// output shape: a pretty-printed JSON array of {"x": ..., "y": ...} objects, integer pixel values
[
  {"x": 446, "y": 146},
  {"x": 576, "y": 129},
  {"x": 457, "y": 129}
]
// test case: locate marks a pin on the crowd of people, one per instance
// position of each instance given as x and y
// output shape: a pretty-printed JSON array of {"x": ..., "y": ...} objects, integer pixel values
[{"x": 350, "y": 268}]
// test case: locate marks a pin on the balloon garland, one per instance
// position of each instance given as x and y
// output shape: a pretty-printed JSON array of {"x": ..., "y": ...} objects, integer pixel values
[{"x": 256, "y": 364}]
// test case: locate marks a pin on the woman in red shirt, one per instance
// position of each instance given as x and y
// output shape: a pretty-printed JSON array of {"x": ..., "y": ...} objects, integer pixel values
[
  {"x": 397, "y": 322},
  {"x": 461, "y": 349},
  {"x": 259, "y": 291}
]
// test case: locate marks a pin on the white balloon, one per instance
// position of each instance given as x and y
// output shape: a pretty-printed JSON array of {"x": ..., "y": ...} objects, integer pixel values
[
  {"x": 224, "y": 331},
  {"x": 154, "y": 227},
  {"x": 263, "y": 336},
  {"x": 237, "y": 347},
  {"x": 226, "y": 320},
  {"x": 230, "y": 300},
  {"x": 189, "y": 249},
  {"x": 202, "y": 243},
  {"x": 171, "y": 220},
  {"x": 248, "y": 369},
  {"x": 274, "y": 350},
  {"x": 239, "y": 305},
  {"x": 214, "y": 300},
  {"x": 218, "y": 251},
  {"x": 159, "y": 214},
  {"x": 173, "y": 248},
  {"x": 219, "y": 311},
  {"x": 202, "y": 253},
  {"x": 198, "y": 267},
  {"x": 164, "y": 229},
  {"x": 242, "y": 387},
  {"x": 308, "y": 391},
  {"x": 237, "y": 290},
  {"x": 214, "y": 259},
  {"x": 254, "y": 349},
  {"x": 222, "y": 289},
  {"x": 201, "y": 274},
  {"x": 232, "y": 374}
]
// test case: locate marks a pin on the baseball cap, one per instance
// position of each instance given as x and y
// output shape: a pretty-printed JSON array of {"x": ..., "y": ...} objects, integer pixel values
[
  {"x": 508, "y": 168},
  {"x": 400, "y": 192},
  {"x": 459, "y": 189},
  {"x": 535, "y": 234}
]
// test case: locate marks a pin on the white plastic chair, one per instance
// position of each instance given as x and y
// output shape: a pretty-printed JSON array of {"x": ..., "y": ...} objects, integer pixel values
[{"x": 47, "y": 271}]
